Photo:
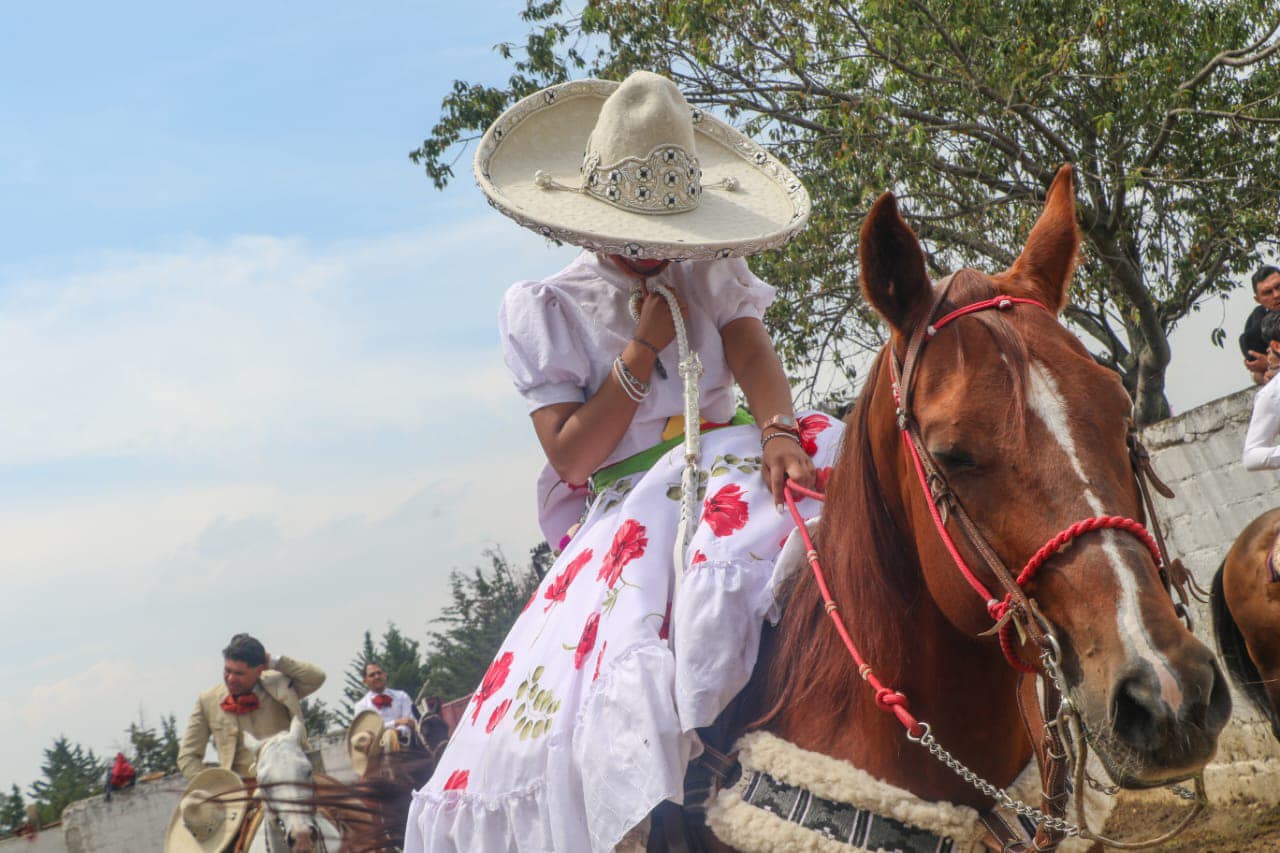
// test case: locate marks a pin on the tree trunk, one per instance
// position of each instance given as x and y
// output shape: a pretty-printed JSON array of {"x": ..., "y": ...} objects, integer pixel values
[{"x": 1150, "y": 403}]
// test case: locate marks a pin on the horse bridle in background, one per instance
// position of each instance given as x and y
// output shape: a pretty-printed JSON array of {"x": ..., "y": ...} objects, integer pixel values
[{"x": 1058, "y": 748}]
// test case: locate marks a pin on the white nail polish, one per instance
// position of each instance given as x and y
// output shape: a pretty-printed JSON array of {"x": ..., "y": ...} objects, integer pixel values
[{"x": 778, "y": 507}]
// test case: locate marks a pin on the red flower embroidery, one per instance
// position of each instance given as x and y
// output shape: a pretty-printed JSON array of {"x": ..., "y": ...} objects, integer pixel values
[
  {"x": 557, "y": 588},
  {"x": 496, "y": 717},
  {"x": 599, "y": 658},
  {"x": 628, "y": 544},
  {"x": 822, "y": 476},
  {"x": 494, "y": 678},
  {"x": 810, "y": 426},
  {"x": 664, "y": 630},
  {"x": 587, "y": 641},
  {"x": 457, "y": 780},
  {"x": 726, "y": 511},
  {"x": 698, "y": 557}
]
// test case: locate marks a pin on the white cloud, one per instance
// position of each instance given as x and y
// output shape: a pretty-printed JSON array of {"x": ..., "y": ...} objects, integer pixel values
[{"x": 262, "y": 434}]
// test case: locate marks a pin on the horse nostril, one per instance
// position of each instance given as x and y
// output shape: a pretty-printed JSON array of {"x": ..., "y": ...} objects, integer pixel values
[
  {"x": 1219, "y": 701},
  {"x": 1138, "y": 713}
]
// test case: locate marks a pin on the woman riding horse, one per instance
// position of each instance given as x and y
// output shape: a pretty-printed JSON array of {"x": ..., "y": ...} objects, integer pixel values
[{"x": 586, "y": 719}]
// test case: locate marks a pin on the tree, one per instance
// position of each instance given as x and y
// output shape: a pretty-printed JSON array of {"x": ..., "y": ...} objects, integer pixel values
[
  {"x": 70, "y": 773},
  {"x": 153, "y": 752},
  {"x": 964, "y": 109},
  {"x": 484, "y": 605},
  {"x": 13, "y": 812},
  {"x": 318, "y": 717}
]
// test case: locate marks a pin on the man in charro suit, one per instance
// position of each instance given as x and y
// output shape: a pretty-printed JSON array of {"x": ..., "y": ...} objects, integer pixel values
[{"x": 258, "y": 695}]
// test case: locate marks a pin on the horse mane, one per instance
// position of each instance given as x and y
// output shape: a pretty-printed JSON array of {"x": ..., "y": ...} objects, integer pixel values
[{"x": 874, "y": 576}]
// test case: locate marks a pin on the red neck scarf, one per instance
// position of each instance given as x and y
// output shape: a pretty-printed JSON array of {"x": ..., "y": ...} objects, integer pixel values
[
  {"x": 381, "y": 700},
  {"x": 242, "y": 704}
]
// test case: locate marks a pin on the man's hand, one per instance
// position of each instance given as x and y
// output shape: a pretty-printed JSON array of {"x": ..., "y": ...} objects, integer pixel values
[
  {"x": 1256, "y": 362},
  {"x": 405, "y": 721}
]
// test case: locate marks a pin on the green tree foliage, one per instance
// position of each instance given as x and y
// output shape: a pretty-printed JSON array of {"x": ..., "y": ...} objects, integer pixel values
[
  {"x": 399, "y": 656},
  {"x": 70, "y": 773},
  {"x": 484, "y": 605},
  {"x": 150, "y": 751},
  {"x": 318, "y": 717},
  {"x": 13, "y": 812},
  {"x": 964, "y": 108}
]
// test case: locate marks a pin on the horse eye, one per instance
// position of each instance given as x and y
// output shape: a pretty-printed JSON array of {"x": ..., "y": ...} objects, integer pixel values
[{"x": 954, "y": 459}]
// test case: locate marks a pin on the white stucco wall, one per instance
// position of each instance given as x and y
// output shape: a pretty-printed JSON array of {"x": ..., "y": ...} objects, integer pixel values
[{"x": 1198, "y": 455}]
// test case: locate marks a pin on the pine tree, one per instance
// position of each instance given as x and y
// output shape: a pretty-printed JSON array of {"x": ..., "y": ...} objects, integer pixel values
[
  {"x": 169, "y": 742},
  {"x": 484, "y": 607},
  {"x": 151, "y": 751},
  {"x": 13, "y": 812},
  {"x": 71, "y": 773},
  {"x": 317, "y": 717},
  {"x": 353, "y": 682}
]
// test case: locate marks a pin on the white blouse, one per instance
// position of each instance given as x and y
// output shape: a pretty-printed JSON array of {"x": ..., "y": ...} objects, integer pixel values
[
  {"x": 561, "y": 335},
  {"x": 1260, "y": 442}
]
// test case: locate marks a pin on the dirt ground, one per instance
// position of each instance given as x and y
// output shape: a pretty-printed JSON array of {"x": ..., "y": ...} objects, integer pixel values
[{"x": 1248, "y": 828}]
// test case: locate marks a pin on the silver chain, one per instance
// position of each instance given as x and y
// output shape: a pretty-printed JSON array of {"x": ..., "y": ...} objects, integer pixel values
[{"x": 1000, "y": 796}]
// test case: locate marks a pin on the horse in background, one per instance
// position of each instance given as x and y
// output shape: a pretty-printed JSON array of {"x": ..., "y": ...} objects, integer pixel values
[
  {"x": 286, "y": 789},
  {"x": 1245, "y": 604}
]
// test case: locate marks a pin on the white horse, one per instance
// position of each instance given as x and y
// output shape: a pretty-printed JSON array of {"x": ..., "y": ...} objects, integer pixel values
[{"x": 286, "y": 790}]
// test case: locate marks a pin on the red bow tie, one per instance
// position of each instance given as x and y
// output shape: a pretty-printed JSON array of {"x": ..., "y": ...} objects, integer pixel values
[
  {"x": 381, "y": 700},
  {"x": 242, "y": 704}
]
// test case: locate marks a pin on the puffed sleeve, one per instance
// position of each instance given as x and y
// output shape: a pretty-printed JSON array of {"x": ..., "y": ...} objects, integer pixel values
[
  {"x": 734, "y": 291},
  {"x": 542, "y": 352}
]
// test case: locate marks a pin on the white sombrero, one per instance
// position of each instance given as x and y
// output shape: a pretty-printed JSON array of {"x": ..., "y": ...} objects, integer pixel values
[
  {"x": 631, "y": 169},
  {"x": 208, "y": 815},
  {"x": 366, "y": 738}
]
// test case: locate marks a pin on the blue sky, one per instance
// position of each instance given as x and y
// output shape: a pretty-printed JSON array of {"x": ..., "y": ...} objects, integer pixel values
[{"x": 250, "y": 363}]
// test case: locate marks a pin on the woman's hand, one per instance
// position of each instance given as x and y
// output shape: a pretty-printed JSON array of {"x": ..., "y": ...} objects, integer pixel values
[
  {"x": 655, "y": 324},
  {"x": 784, "y": 458}
]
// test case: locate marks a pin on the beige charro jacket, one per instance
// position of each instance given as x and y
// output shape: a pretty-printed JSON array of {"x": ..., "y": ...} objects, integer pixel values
[{"x": 279, "y": 691}]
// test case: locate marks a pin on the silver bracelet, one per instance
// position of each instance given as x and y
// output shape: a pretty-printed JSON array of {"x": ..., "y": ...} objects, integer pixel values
[
  {"x": 772, "y": 436},
  {"x": 631, "y": 386}
]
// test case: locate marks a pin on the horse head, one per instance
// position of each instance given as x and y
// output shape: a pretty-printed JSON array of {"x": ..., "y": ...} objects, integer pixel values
[
  {"x": 286, "y": 786},
  {"x": 1023, "y": 432}
]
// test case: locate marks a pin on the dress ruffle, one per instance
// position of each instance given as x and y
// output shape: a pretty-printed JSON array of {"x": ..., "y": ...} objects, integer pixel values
[{"x": 585, "y": 721}]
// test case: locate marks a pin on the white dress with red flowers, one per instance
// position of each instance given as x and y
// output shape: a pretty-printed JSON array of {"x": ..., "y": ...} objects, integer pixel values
[{"x": 585, "y": 720}]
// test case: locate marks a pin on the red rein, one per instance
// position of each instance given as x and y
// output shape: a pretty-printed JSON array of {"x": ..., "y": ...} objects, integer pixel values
[{"x": 891, "y": 700}]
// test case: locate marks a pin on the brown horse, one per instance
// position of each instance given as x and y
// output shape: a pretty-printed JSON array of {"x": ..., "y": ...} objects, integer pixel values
[
  {"x": 1246, "y": 616},
  {"x": 1029, "y": 433}
]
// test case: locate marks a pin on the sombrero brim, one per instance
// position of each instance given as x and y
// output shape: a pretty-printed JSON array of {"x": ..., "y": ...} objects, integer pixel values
[
  {"x": 548, "y": 130},
  {"x": 217, "y": 781},
  {"x": 368, "y": 722}
]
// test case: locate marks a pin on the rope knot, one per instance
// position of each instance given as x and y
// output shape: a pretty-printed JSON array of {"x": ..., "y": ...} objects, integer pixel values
[
  {"x": 887, "y": 698},
  {"x": 996, "y": 608},
  {"x": 1005, "y": 304}
]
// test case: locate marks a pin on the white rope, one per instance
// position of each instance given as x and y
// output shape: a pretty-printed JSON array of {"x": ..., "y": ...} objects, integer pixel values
[{"x": 690, "y": 370}]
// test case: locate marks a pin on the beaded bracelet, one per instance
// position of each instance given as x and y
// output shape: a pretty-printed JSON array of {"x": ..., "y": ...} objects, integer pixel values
[
  {"x": 631, "y": 386},
  {"x": 771, "y": 436},
  {"x": 658, "y": 366}
]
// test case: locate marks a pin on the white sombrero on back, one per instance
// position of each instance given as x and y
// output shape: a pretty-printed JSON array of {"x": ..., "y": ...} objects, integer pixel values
[
  {"x": 209, "y": 814},
  {"x": 631, "y": 169}
]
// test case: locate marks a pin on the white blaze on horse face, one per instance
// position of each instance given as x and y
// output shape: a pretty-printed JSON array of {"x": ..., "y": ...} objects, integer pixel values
[{"x": 1047, "y": 402}]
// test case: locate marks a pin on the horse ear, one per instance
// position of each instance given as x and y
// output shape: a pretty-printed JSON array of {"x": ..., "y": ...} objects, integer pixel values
[
  {"x": 1049, "y": 257},
  {"x": 894, "y": 279}
]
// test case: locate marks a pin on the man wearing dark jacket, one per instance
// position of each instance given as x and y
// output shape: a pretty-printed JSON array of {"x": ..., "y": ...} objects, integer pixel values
[{"x": 1266, "y": 292}]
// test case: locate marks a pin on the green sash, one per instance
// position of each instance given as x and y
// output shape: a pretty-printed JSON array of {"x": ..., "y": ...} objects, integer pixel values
[{"x": 645, "y": 459}]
